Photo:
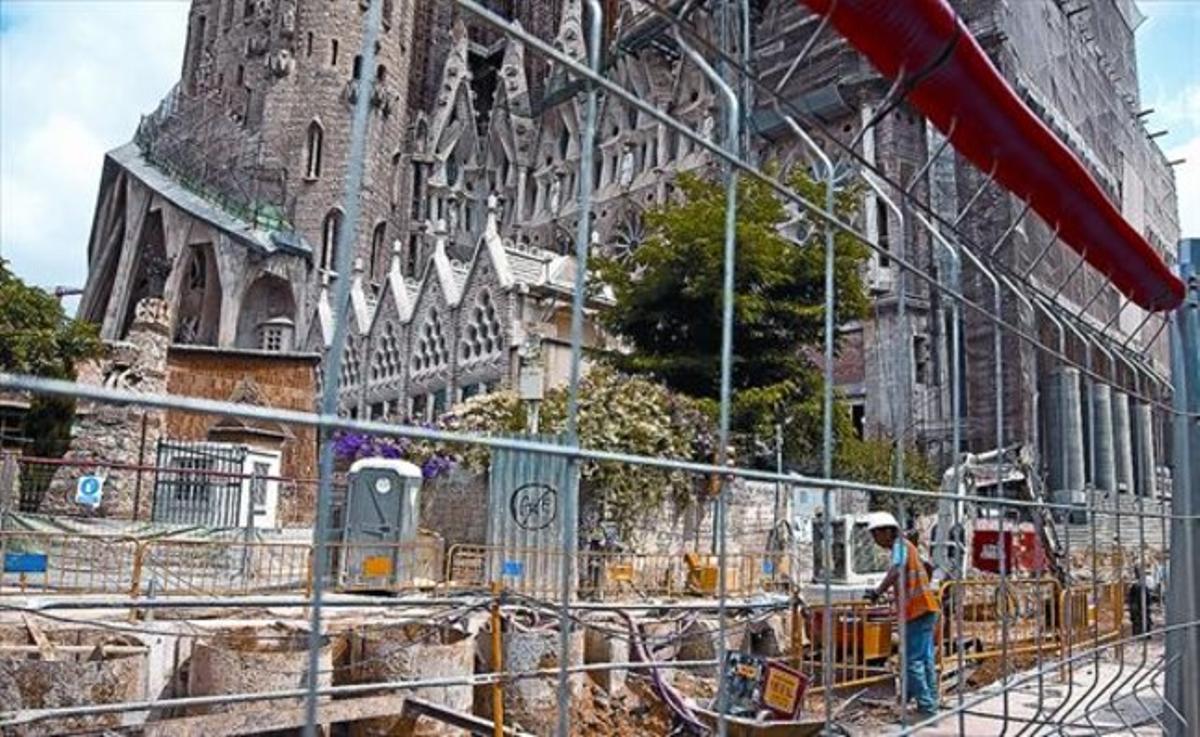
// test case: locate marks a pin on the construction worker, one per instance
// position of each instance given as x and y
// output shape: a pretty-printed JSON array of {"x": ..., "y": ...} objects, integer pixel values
[
  {"x": 1137, "y": 598},
  {"x": 920, "y": 608}
]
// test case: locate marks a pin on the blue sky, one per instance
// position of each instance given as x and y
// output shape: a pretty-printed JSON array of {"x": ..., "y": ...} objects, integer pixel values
[{"x": 76, "y": 76}]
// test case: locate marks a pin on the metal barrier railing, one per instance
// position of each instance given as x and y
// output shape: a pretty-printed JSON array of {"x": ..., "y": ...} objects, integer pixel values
[
  {"x": 69, "y": 563},
  {"x": 97, "y": 564},
  {"x": 230, "y": 567},
  {"x": 1023, "y": 616},
  {"x": 604, "y": 575},
  {"x": 862, "y": 645}
]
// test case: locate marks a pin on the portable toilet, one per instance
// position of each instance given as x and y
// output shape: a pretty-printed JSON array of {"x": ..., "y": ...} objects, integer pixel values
[{"x": 379, "y": 547}]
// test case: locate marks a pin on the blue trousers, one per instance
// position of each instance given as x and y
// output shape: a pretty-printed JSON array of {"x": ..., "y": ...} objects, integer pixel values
[{"x": 919, "y": 663}]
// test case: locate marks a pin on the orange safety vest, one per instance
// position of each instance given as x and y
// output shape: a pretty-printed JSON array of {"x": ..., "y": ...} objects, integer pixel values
[{"x": 919, "y": 598}]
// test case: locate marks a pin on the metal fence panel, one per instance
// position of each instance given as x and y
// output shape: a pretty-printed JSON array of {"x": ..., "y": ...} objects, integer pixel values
[{"x": 525, "y": 495}]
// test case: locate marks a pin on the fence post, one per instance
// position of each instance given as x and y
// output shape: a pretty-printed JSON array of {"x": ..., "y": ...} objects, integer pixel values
[
  {"x": 308, "y": 574},
  {"x": 1183, "y": 589},
  {"x": 497, "y": 664},
  {"x": 135, "y": 575},
  {"x": 9, "y": 473}
]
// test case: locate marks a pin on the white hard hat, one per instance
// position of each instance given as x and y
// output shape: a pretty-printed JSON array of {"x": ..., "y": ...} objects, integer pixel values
[{"x": 881, "y": 520}]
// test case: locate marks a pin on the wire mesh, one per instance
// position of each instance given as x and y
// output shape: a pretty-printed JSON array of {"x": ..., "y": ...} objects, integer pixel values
[{"x": 1042, "y": 585}]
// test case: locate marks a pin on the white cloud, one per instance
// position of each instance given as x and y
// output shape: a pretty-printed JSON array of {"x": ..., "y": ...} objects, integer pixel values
[
  {"x": 1187, "y": 181},
  {"x": 74, "y": 79},
  {"x": 1179, "y": 111}
]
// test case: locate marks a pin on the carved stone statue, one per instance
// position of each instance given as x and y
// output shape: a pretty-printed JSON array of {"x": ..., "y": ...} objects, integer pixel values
[
  {"x": 555, "y": 193},
  {"x": 281, "y": 63},
  {"x": 627, "y": 162},
  {"x": 287, "y": 18},
  {"x": 531, "y": 350}
]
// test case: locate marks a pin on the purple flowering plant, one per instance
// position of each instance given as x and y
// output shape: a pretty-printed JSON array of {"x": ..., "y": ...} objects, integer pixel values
[{"x": 352, "y": 446}]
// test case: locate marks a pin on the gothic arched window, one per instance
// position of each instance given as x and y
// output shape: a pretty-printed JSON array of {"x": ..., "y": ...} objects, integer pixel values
[
  {"x": 378, "y": 249},
  {"x": 312, "y": 148},
  {"x": 483, "y": 335},
  {"x": 430, "y": 351},
  {"x": 330, "y": 231}
]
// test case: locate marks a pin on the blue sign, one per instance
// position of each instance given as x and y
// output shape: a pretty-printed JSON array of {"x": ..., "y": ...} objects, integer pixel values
[
  {"x": 89, "y": 491},
  {"x": 25, "y": 562},
  {"x": 514, "y": 568},
  {"x": 768, "y": 567}
]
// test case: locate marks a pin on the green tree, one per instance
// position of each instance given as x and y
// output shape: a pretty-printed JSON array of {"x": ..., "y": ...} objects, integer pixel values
[
  {"x": 38, "y": 338},
  {"x": 873, "y": 461},
  {"x": 669, "y": 297}
]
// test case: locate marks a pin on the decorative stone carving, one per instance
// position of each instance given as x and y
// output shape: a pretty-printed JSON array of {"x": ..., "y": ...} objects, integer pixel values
[
  {"x": 258, "y": 45},
  {"x": 627, "y": 165},
  {"x": 287, "y": 18},
  {"x": 262, "y": 11},
  {"x": 555, "y": 193},
  {"x": 281, "y": 63},
  {"x": 384, "y": 98}
]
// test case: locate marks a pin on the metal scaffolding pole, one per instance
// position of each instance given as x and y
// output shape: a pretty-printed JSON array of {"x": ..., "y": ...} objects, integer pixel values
[{"x": 1183, "y": 592}]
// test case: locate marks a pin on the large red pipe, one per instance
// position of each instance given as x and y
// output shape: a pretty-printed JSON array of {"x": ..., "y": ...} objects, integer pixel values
[{"x": 960, "y": 91}]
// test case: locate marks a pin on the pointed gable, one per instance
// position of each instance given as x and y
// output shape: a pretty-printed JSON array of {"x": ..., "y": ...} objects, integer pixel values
[
  {"x": 453, "y": 118},
  {"x": 490, "y": 250},
  {"x": 395, "y": 295},
  {"x": 320, "y": 328}
]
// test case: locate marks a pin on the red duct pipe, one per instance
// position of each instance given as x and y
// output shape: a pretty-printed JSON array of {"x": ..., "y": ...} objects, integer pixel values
[{"x": 949, "y": 78}]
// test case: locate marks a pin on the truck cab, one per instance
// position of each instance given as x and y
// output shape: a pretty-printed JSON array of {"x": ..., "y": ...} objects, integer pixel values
[{"x": 857, "y": 563}]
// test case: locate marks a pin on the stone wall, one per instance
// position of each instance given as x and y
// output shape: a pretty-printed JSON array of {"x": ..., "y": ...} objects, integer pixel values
[
  {"x": 282, "y": 380},
  {"x": 679, "y": 528},
  {"x": 456, "y": 507},
  {"x": 107, "y": 435}
]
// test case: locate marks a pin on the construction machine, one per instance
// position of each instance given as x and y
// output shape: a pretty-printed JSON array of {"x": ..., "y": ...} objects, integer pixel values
[
  {"x": 967, "y": 523},
  {"x": 968, "y": 532}
]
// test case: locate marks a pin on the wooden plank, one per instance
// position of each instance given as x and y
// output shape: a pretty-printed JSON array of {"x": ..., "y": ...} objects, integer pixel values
[{"x": 45, "y": 647}]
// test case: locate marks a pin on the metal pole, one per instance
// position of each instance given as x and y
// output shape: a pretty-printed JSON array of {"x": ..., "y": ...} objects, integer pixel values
[
  {"x": 732, "y": 121},
  {"x": 333, "y": 361},
  {"x": 1183, "y": 593},
  {"x": 137, "y": 483},
  {"x": 497, "y": 664},
  {"x": 582, "y": 241},
  {"x": 778, "y": 470}
]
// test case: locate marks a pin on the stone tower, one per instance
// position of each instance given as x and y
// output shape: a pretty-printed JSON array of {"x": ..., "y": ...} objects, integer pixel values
[
  {"x": 228, "y": 203},
  {"x": 270, "y": 87}
]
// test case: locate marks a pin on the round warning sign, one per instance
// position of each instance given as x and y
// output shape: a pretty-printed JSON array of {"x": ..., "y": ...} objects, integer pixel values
[{"x": 89, "y": 490}]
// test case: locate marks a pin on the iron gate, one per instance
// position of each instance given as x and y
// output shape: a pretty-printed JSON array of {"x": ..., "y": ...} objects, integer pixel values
[{"x": 198, "y": 484}]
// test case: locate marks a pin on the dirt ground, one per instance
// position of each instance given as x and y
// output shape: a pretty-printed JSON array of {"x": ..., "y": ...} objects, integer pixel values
[{"x": 634, "y": 710}]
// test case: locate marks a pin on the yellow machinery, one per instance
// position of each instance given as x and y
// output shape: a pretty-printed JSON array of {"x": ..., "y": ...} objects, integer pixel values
[{"x": 701, "y": 577}]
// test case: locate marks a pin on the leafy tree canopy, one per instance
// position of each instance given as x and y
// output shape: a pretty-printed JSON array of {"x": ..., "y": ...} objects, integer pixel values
[
  {"x": 37, "y": 337},
  {"x": 669, "y": 302}
]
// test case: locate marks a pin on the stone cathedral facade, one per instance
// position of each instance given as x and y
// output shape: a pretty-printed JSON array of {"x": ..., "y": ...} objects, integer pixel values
[{"x": 229, "y": 201}]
